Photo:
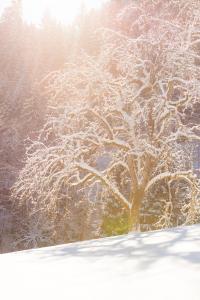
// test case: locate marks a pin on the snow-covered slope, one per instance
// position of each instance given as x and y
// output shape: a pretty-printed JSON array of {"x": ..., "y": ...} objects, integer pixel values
[{"x": 144, "y": 266}]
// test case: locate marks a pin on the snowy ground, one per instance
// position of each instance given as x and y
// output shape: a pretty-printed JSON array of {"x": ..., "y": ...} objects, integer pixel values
[{"x": 148, "y": 266}]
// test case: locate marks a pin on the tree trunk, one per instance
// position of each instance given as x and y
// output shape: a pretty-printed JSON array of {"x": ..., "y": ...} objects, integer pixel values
[{"x": 135, "y": 210}]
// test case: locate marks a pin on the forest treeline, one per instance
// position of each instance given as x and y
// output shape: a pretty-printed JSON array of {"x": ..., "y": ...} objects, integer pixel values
[{"x": 99, "y": 122}]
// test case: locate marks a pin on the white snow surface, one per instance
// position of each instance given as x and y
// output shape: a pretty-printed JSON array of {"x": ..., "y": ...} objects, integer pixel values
[{"x": 143, "y": 266}]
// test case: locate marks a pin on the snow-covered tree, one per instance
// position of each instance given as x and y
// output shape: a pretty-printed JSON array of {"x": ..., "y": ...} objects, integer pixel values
[{"x": 117, "y": 125}]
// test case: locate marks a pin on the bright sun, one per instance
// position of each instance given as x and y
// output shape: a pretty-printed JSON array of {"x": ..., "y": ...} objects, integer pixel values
[{"x": 63, "y": 10}]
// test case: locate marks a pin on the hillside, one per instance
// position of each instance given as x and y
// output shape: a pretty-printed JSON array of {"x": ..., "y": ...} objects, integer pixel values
[{"x": 155, "y": 265}]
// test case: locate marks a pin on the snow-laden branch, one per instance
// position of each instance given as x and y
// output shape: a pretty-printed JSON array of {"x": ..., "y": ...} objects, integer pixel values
[
  {"x": 117, "y": 143},
  {"x": 106, "y": 182},
  {"x": 104, "y": 122},
  {"x": 169, "y": 176}
]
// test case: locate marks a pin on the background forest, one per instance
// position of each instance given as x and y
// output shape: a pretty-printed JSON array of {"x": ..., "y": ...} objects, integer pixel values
[{"x": 99, "y": 122}]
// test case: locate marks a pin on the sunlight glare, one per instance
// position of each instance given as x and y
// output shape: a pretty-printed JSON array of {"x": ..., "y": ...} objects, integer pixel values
[{"x": 62, "y": 10}]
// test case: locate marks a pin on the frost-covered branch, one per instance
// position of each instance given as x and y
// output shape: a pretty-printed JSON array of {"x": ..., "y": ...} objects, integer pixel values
[{"x": 106, "y": 182}]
